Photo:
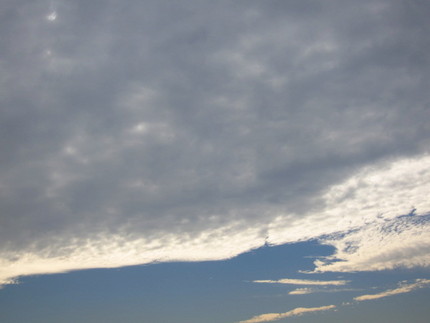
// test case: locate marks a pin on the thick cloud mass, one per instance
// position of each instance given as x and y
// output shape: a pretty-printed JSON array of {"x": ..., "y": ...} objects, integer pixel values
[{"x": 141, "y": 131}]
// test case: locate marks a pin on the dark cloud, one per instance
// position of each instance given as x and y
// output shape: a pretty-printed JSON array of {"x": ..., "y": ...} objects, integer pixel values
[{"x": 150, "y": 119}]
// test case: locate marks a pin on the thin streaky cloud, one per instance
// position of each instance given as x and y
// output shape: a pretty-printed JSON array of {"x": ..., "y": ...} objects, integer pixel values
[
  {"x": 405, "y": 288},
  {"x": 302, "y": 291},
  {"x": 295, "y": 312},
  {"x": 306, "y": 290},
  {"x": 304, "y": 282}
]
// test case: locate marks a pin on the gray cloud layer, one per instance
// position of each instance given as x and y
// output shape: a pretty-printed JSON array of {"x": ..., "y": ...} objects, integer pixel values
[{"x": 159, "y": 124}]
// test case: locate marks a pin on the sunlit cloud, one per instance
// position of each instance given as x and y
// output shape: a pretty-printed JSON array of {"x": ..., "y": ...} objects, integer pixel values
[
  {"x": 385, "y": 244},
  {"x": 307, "y": 290},
  {"x": 295, "y": 312},
  {"x": 404, "y": 288},
  {"x": 302, "y": 291},
  {"x": 374, "y": 194},
  {"x": 304, "y": 282}
]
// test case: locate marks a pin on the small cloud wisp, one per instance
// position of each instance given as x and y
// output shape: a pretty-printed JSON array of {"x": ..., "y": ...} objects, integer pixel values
[
  {"x": 307, "y": 290},
  {"x": 405, "y": 288},
  {"x": 304, "y": 282},
  {"x": 295, "y": 312}
]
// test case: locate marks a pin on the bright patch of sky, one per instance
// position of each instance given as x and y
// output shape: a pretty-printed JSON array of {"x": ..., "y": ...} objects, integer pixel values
[{"x": 52, "y": 16}]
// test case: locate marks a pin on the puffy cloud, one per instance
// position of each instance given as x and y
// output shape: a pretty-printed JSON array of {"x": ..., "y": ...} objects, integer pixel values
[
  {"x": 404, "y": 288},
  {"x": 295, "y": 312},
  {"x": 139, "y": 132},
  {"x": 304, "y": 282},
  {"x": 390, "y": 243},
  {"x": 373, "y": 195}
]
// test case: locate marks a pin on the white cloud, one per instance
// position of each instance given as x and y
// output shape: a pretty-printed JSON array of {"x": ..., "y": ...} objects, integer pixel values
[
  {"x": 115, "y": 251},
  {"x": 302, "y": 291},
  {"x": 306, "y": 290},
  {"x": 304, "y": 282},
  {"x": 375, "y": 193},
  {"x": 390, "y": 243},
  {"x": 404, "y": 288},
  {"x": 295, "y": 312}
]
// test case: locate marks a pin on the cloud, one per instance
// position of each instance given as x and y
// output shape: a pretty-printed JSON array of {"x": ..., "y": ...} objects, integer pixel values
[
  {"x": 306, "y": 290},
  {"x": 404, "y": 288},
  {"x": 302, "y": 291},
  {"x": 384, "y": 244},
  {"x": 140, "y": 132},
  {"x": 7, "y": 282},
  {"x": 374, "y": 194},
  {"x": 295, "y": 312},
  {"x": 304, "y": 282}
]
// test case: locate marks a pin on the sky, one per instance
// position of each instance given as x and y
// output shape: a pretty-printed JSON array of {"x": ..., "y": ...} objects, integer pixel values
[{"x": 214, "y": 161}]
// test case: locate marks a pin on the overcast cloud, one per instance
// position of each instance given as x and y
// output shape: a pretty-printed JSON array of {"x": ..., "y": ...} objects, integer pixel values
[{"x": 135, "y": 132}]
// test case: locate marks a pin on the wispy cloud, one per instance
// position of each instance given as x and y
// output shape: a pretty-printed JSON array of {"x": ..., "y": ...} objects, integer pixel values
[
  {"x": 295, "y": 312},
  {"x": 306, "y": 290},
  {"x": 7, "y": 282},
  {"x": 404, "y": 288},
  {"x": 304, "y": 282},
  {"x": 302, "y": 291}
]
